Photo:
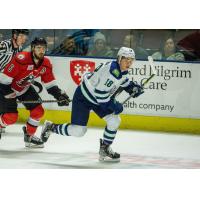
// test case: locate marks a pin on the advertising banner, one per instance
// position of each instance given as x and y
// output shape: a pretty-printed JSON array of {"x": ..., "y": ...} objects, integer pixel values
[{"x": 173, "y": 92}]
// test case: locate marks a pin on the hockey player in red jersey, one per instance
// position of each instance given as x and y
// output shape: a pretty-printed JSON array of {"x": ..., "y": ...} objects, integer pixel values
[
  {"x": 9, "y": 48},
  {"x": 16, "y": 83}
]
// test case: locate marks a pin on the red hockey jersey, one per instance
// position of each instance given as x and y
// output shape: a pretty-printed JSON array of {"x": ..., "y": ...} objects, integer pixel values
[{"x": 21, "y": 71}]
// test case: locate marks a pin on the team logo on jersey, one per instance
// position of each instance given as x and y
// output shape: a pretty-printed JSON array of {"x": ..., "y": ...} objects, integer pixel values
[
  {"x": 21, "y": 56},
  {"x": 116, "y": 72},
  {"x": 26, "y": 80},
  {"x": 79, "y": 67},
  {"x": 30, "y": 67},
  {"x": 43, "y": 70}
]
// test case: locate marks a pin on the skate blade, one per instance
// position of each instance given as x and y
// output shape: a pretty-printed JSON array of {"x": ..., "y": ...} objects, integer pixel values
[
  {"x": 109, "y": 160},
  {"x": 33, "y": 146}
]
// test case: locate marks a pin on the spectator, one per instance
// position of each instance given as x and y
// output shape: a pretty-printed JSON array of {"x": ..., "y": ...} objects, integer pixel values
[
  {"x": 68, "y": 47},
  {"x": 100, "y": 48},
  {"x": 168, "y": 51},
  {"x": 51, "y": 40},
  {"x": 82, "y": 38},
  {"x": 131, "y": 42},
  {"x": 191, "y": 45}
]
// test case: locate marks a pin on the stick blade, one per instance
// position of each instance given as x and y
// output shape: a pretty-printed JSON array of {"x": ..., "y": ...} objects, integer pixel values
[{"x": 151, "y": 62}]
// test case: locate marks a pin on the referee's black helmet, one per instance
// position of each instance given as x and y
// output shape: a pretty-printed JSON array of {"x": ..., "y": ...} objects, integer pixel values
[{"x": 20, "y": 31}]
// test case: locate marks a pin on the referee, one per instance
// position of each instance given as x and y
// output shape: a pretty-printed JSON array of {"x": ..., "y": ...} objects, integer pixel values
[{"x": 9, "y": 48}]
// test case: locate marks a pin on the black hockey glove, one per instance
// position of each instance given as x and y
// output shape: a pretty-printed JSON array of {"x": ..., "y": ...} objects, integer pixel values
[
  {"x": 9, "y": 96},
  {"x": 58, "y": 94},
  {"x": 135, "y": 88},
  {"x": 7, "y": 91},
  {"x": 113, "y": 106},
  {"x": 63, "y": 99}
]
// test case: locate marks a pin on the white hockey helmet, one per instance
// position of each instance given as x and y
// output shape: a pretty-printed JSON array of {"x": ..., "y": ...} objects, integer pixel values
[{"x": 126, "y": 52}]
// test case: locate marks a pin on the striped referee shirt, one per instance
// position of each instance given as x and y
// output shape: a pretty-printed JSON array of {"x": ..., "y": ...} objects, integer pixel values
[{"x": 7, "y": 52}]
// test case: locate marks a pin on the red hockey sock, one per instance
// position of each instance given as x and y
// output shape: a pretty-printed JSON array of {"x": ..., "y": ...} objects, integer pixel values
[
  {"x": 34, "y": 120},
  {"x": 30, "y": 129},
  {"x": 8, "y": 119}
]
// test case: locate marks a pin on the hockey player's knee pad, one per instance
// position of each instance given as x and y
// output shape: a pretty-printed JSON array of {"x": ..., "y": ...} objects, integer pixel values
[
  {"x": 37, "y": 112},
  {"x": 9, "y": 118},
  {"x": 113, "y": 122},
  {"x": 77, "y": 131}
]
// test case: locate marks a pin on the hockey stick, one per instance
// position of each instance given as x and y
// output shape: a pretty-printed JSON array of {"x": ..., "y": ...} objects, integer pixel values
[
  {"x": 120, "y": 89},
  {"x": 117, "y": 92},
  {"x": 40, "y": 101},
  {"x": 38, "y": 85},
  {"x": 150, "y": 59}
]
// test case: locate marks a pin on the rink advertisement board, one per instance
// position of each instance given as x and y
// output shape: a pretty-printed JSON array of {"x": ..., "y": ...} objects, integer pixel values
[{"x": 173, "y": 92}]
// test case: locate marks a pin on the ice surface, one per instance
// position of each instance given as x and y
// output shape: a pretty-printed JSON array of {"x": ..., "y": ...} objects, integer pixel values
[{"x": 139, "y": 150}]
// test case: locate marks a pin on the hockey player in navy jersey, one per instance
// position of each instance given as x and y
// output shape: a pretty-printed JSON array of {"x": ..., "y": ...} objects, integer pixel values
[{"x": 95, "y": 93}]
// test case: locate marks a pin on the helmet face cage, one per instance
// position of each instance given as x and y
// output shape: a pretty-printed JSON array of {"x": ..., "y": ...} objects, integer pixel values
[
  {"x": 20, "y": 31},
  {"x": 39, "y": 41}
]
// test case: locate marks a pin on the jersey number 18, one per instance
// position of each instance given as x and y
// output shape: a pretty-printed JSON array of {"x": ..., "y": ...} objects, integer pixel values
[{"x": 108, "y": 83}]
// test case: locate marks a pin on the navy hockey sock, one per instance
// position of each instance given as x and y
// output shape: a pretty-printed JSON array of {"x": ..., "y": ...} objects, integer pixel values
[
  {"x": 108, "y": 136},
  {"x": 61, "y": 129}
]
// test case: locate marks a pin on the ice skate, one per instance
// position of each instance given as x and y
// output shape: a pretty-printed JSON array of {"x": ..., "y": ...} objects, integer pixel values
[
  {"x": 106, "y": 154},
  {"x": 46, "y": 130},
  {"x": 32, "y": 141}
]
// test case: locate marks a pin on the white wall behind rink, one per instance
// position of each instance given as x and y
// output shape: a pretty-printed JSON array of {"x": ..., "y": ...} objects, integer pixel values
[{"x": 173, "y": 92}]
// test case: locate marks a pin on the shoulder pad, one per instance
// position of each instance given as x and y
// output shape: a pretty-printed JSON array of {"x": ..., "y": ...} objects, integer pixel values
[
  {"x": 23, "y": 58},
  {"x": 115, "y": 71},
  {"x": 47, "y": 62},
  {"x": 2, "y": 45}
]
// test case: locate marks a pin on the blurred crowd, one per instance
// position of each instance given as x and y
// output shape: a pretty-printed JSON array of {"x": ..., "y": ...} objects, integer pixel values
[{"x": 163, "y": 44}]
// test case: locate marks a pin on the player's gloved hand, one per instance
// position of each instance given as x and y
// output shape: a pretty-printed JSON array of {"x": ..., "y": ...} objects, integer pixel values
[
  {"x": 11, "y": 99},
  {"x": 135, "y": 88},
  {"x": 63, "y": 99},
  {"x": 113, "y": 106},
  {"x": 11, "y": 95}
]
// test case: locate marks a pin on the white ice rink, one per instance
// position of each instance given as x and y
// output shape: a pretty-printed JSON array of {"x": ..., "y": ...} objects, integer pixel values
[{"x": 139, "y": 150}]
